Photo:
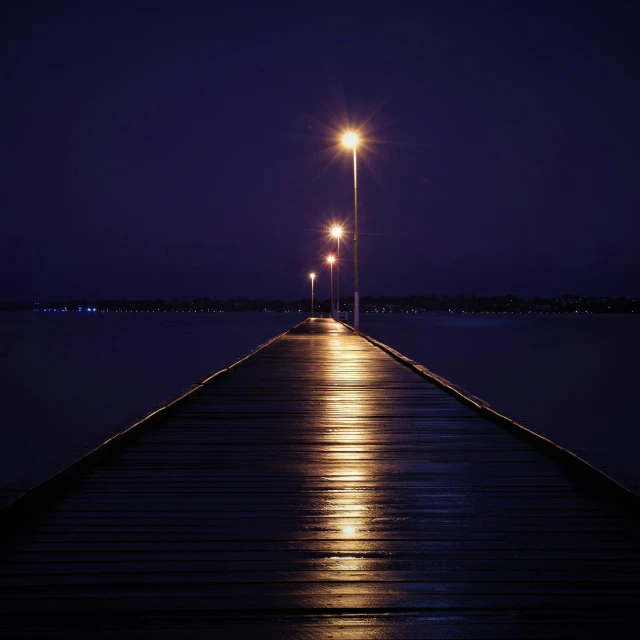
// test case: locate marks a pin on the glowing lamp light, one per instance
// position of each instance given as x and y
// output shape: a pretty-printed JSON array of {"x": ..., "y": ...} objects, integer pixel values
[
  {"x": 336, "y": 231},
  {"x": 350, "y": 140},
  {"x": 330, "y": 259},
  {"x": 312, "y": 275},
  {"x": 349, "y": 530}
]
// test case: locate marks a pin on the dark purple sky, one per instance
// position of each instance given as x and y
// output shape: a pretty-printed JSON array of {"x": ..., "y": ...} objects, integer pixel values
[{"x": 185, "y": 149}]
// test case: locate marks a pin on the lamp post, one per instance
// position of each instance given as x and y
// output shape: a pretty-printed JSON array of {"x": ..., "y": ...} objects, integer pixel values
[
  {"x": 350, "y": 141},
  {"x": 331, "y": 260},
  {"x": 313, "y": 277},
  {"x": 336, "y": 232}
]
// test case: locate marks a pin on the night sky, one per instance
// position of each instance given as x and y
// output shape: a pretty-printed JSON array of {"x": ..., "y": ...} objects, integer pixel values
[{"x": 171, "y": 149}]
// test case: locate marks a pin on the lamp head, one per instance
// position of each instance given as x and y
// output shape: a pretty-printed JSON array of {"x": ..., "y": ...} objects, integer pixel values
[
  {"x": 350, "y": 140},
  {"x": 330, "y": 259},
  {"x": 336, "y": 231}
]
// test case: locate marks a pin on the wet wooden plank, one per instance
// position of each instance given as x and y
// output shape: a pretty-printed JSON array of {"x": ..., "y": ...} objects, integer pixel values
[
  {"x": 321, "y": 489},
  {"x": 308, "y": 625}
]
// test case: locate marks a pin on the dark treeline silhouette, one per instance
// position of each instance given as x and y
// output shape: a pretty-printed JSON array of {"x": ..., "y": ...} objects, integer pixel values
[
  {"x": 382, "y": 304},
  {"x": 567, "y": 303}
]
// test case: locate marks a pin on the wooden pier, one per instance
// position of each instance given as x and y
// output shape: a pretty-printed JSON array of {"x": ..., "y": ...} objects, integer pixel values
[{"x": 321, "y": 489}]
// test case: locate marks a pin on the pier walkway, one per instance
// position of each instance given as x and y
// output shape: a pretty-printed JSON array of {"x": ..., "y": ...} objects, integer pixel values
[{"x": 321, "y": 489}]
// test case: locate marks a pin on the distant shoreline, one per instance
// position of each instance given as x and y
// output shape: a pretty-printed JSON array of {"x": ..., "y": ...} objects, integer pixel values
[{"x": 382, "y": 304}]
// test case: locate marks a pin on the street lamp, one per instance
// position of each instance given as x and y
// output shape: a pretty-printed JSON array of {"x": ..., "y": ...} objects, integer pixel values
[
  {"x": 331, "y": 260},
  {"x": 336, "y": 232},
  {"x": 350, "y": 140},
  {"x": 313, "y": 277}
]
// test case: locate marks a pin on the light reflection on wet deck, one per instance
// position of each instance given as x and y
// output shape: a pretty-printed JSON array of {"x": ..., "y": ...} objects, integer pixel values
[{"x": 324, "y": 490}]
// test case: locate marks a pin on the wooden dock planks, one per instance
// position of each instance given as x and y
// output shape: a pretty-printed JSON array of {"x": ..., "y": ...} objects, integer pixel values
[{"x": 321, "y": 489}]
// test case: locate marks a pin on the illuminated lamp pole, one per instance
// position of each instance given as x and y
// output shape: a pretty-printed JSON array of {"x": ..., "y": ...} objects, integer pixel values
[
  {"x": 331, "y": 260},
  {"x": 336, "y": 232},
  {"x": 313, "y": 277},
  {"x": 350, "y": 141}
]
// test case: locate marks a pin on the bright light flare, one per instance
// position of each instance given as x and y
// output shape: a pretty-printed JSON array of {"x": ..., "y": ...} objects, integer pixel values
[
  {"x": 350, "y": 140},
  {"x": 336, "y": 231},
  {"x": 312, "y": 275},
  {"x": 330, "y": 259}
]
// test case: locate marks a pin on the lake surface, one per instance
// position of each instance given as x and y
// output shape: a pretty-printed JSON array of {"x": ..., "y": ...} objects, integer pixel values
[
  {"x": 71, "y": 380},
  {"x": 571, "y": 378}
]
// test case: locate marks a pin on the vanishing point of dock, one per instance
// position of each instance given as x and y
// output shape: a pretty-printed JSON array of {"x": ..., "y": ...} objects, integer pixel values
[{"x": 322, "y": 489}]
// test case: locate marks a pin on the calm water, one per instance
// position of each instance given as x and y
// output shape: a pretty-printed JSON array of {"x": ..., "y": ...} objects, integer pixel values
[
  {"x": 71, "y": 380},
  {"x": 571, "y": 378}
]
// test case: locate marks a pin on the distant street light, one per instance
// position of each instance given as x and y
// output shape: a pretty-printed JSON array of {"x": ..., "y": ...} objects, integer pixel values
[
  {"x": 313, "y": 277},
  {"x": 350, "y": 140},
  {"x": 331, "y": 260},
  {"x": 336, "y": 232}
]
